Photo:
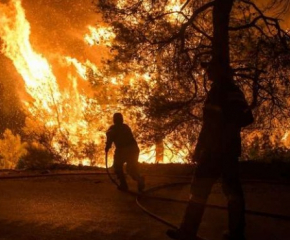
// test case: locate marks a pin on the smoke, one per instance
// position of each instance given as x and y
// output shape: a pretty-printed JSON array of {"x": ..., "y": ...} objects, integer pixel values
[
  {"x": 11, "y": 115},
  {"x": 57, "y": 30},
  {"x": 278, "y": 9},
  {"x": 58, "y": 26}
]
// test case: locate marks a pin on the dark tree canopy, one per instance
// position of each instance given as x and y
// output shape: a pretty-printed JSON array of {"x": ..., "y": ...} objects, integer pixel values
[{"x": 172, "y": 45}]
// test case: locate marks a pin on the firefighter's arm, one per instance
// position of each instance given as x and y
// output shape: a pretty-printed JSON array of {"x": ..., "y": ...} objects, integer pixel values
[{"x": 109, "y": 141}]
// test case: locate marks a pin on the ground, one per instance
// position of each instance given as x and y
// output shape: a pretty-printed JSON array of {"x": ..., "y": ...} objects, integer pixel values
[{"x": 77, "y": 207}]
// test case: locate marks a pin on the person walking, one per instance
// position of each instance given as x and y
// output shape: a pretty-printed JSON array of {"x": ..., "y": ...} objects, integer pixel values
[
  {"x": 217, "y": 151},
  {"x": 126, "y": 151}
]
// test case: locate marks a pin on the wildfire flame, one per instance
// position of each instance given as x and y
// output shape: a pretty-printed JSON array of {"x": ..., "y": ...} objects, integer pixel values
[
  {"x": 34, "y": 69},
  {"x": 63, "y": 107},
  {"x": 41, "y": 83},
  {"x": 103, "y": 35},
  {"x": 286, "y": 139},
  {"x": 60, "y": 107}
]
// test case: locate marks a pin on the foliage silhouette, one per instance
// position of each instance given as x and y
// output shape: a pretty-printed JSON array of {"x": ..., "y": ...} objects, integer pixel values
[{"x": 171, "y": 48}]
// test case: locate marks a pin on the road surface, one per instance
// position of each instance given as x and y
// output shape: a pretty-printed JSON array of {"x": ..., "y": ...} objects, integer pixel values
[{"x": 89, "y": 207}]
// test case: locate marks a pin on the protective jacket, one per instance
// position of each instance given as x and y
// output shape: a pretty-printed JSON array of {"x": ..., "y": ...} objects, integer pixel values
[
  {"x": 127, "y": 151},
  {"x": 121, "y": 135},
  {"x": 225, "y": 112}
]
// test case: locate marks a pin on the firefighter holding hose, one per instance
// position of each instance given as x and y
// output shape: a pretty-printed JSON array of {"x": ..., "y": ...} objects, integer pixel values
[{"x": 126, "y": 151}]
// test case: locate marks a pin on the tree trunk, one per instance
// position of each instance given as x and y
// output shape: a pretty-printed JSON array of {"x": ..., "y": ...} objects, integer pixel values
[
  {"x": 220, "y": 56},
  {"x": 159, "y": 150}
]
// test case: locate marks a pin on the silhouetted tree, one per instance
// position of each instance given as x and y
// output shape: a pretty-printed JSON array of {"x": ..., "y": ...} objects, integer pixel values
[{"x": 168, "y": 47}]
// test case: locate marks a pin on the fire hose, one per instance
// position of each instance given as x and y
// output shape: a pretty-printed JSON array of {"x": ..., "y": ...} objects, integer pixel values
[
  {"x": 145, "y": 195},
  {"x": 108, "y": 172},
  {"x": 139, "y": 196}
]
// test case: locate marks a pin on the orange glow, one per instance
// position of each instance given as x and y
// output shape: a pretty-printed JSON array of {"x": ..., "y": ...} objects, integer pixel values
[
  {"x": 175, "y": 7},
  {"x": 34, "y": 68},
  {"x": 101, "y": 35},
  {"x": 52, "y": 107},
  {"x": 286, "y": 139},
  {"x": 149, "y": 155},
  {"x": 62, "y": 108}
]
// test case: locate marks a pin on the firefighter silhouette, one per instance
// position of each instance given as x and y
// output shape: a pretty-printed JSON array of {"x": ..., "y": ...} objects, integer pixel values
[
  {"x": 126, "y": 151},
  {"x": 217, "y": 151}
]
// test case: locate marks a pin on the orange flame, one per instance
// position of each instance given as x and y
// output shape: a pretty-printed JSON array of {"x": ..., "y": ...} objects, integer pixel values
[
  {"x": 35, "y": 70},
  {"x": 62, "y": 108}
]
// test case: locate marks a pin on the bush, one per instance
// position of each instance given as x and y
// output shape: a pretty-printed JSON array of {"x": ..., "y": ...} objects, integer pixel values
[
  {"x": 38, "y": 158},
  {"x": 265, "y": 147},
  {"x": 11, "y": 150}
]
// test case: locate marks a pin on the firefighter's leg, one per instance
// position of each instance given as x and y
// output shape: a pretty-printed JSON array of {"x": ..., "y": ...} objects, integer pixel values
[
  {"x": 118, "y": 168},
  {"x": 200, "y": 190},
  {"x": 133, "y": 170},
  {"x": 236, "y": 204}
]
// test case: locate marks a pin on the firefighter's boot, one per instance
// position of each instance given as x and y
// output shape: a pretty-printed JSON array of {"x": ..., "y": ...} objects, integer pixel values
[
  {"x": 236, "y": 208},
  {"x": 228, "y": 236},
  {"x": 190, "y": 223},
  {"x": 175, "y": 234}
]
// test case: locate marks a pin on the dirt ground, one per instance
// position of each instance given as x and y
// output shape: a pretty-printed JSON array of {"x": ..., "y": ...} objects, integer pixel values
[{"x": 89, "y": 207}]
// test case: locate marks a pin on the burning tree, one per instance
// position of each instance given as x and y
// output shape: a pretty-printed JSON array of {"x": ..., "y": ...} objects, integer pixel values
[
  {"x": 168, "y": 46},
  {"x": 61, "y": 117},
  {"x": 160, "y": 52}
]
